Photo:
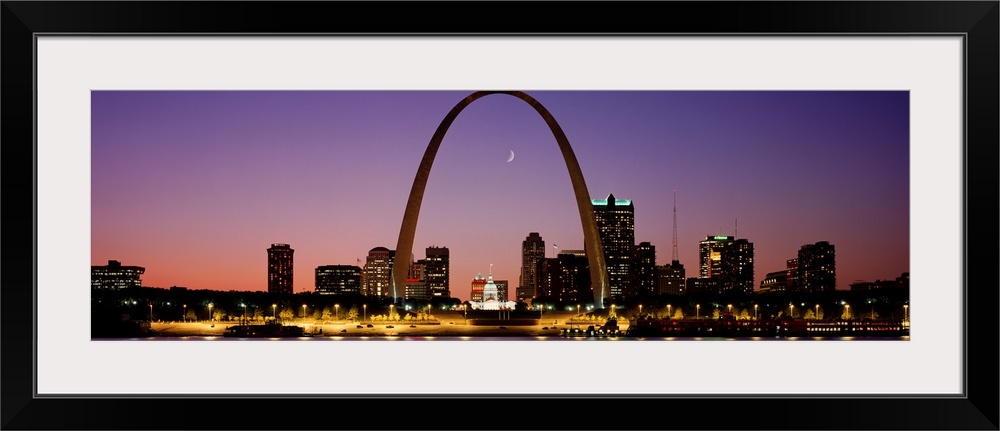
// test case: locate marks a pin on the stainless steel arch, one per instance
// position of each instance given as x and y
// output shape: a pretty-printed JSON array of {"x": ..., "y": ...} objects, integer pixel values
[{"x": 591, "y": 236}]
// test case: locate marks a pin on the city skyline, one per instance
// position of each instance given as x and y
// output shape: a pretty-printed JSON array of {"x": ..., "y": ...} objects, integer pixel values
[{"x": 194, "y": 186}]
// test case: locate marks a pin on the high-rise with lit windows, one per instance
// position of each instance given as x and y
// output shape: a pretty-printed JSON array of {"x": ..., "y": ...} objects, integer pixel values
[
  {"x": 817, "y": 268},
  {"x": 644, "y": 269},
  {"x": 436, "y": 271},
  {"x": 729, "y": 261},
  {"x": 616, "y": 223},
  {"x": 279, "y": 269},
  {"x": 532, "y": 252},
  {"x": 378, "y": 272}
]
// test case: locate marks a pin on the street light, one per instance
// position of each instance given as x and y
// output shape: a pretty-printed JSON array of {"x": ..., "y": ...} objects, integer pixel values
[
  {"x": 669, "y": 314},
  {"x": 244, "y": 305},
  {"x": 274, "y": 311},
  {"x": 303, "y": 311},
  {"x": 697, "y": 311},
  {"x": 577, "y": 309},
  {"x": 640, "y": 311},
  {"x": 210, "y": 312},
  {"x": 905, "y": 314},
  {"x": 364, "y": 316},
  {"x": 184, "y": 316},
  {"x": 847, "y": 308},
  {"x": 791, "y": 310},
  {"x": 151, "y": 313},
  {"x": 817, "y": 311},
  {"x": 336, "y": 307},
  {"x": 730, "y": 308}
]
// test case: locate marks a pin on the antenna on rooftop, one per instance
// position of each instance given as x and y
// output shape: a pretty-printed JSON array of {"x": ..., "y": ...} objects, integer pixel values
[{"x": 674, "y": 257}]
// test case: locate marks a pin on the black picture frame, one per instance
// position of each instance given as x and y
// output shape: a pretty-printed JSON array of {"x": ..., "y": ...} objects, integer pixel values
[{"x": 976, "y": 21}]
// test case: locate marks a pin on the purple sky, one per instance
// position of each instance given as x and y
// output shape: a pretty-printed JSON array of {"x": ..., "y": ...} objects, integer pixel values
[{"x": 195, "y": 186}]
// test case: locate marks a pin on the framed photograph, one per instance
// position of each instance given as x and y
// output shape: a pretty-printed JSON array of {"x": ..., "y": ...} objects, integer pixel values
[{"x": 167, "y": 133}]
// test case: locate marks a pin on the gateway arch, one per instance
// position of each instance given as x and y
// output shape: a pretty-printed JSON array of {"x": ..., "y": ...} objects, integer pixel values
[{"x": 591, "y": 236}]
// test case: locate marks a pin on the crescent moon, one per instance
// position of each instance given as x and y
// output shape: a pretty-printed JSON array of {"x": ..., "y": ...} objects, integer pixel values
[{"x": 511, "y": 158}]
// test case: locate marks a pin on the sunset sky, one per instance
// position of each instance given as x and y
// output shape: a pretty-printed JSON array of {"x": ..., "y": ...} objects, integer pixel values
[{"x": 195, "y": 186}]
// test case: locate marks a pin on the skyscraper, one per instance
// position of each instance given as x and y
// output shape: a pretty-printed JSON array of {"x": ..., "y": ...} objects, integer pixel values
[
  {"x": 817, "y": 267},
  {"x": 550, "y": 278},
  {"x": 532, "y": 252},
  {"x": 338, "y": 280},
  {"x": 729, "y": 261},
  {"x": 279, "y": 269},
  {"x": 644, "y": 273},
  {"x": 378, "y": 272},
  {"x": 436, "y": 272},
  {"x": 576, "y": 276},
  {"x": 616, "y": 223},
  {"x": 792, "y": 279}
]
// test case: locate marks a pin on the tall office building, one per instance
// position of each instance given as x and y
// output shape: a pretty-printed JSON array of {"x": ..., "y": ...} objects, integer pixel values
[
  {"x": 114, "y": 276},
  {"x": 576, "y": 275},
  {"x": 279, "y": 269},
  {"x": 729, "y": 261},
  {"x": 616, "y": 223},
  {"x": 436, "y": 272},
  {"x": 792, "y": 278},
  {"x": 644, "y": 273},
  {"x": 817, "y": 267},
  {"x": 338, "y": 280},
  {"x": 532, "y": 252},
  {"x": 378, "y": 272},
  {"x": 550, "y": 278},
  {"x": 670, "y": 279}
]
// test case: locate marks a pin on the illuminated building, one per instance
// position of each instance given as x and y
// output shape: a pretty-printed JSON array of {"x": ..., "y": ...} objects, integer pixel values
[
  {"x": 478, "y": 284},
  {"x": 644, "y": 271},
  {"x": 436, "y": 272},
  {"x": 550, "y": 278},
  {"x": 670, "y": 279},
  {"x": 491, "y": 297},
  {"x": 576, "y": 275},
  {"x": 417, "y": 290},
  {"x": 378, "y": 272},
  {"x": 532, "y": 251},
  {"x": 616, "y": 224},
  {"x": 774, "y": 282},
  {"x": 729, "y": 261},
  {"x": 279, "y": 269},
  {"x": 792, "y": 267},
  {"x": 817, "y": 267},
  {"x": 114, "y": 276},
  {"x": 503, "y": 289},
  {"x": 338, "y": 279}
]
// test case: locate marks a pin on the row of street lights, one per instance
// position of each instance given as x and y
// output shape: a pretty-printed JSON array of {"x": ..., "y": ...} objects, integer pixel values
[{"x": 791, "y": 310}]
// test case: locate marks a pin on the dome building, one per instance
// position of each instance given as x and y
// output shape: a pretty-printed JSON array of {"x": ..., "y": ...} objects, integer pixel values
[{"x": 490, "y": 296}]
